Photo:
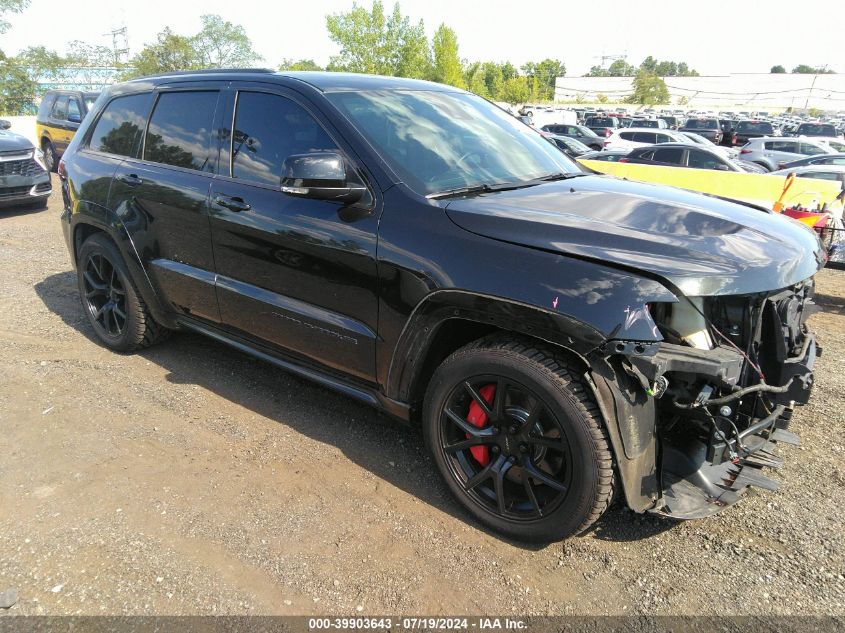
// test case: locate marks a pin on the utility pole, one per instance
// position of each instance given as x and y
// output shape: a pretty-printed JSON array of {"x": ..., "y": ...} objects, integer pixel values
[{"x": 120, "y": 44}]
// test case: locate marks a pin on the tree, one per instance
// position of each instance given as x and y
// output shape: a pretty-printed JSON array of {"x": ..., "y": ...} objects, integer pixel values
[
  {"x": 777, "y": 70},
  {"x": 621, "y": 68},
  {"x": 10, "y": 6},
  {"x": 804, "y": 69},
  {"x": 653, "y": 66},
  {"x": 221, "y": 44},
  {"x": 515, "y": 90},
  {"x": 170, "y": 53},
  {"x": 17, "y": 87},
  {"x": 542, "y": 76},
  {"x": 649, "y": 89},
  {"x": 371, "y": 42},
  {"x": 447, "y": 64},
  {"x": 301, "y": 64}
]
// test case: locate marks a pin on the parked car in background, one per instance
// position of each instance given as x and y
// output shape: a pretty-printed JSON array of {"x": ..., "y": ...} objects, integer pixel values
[
  {"x": 709, "y": 128},
  {"x": 817, "y": 129},
  {"x": 727, "y": 127},
  {"x": 570, "y": 146},
  {"x": 747, "y": 129},
  {"x": 580, "y": 132},
  {"x": 773, "y": 153},
  {"x": 836, "y": 144},
  {"x": 610, "y": 156},
  {"x": 672, "y": 122},
  {"x": 726, "y": 152},
  {"x": 629, "y": 138},
  {"x": 551, "y": 332},
  {"x": 822, "y": 172},
  {"x": 657, "y": 124},
  {"x": 58, "y": 118},
  {"x": 602, "y": 125},
  {"x": 819, "y": 159},
  {"x": 24, "y": 180},
  {"x": 684, "y": 155}
]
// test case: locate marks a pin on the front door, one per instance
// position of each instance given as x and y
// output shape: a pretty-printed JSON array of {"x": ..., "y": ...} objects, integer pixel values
[{"x": 293, "y": 273}]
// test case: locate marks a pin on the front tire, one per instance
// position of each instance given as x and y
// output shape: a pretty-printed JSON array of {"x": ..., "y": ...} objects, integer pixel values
[
  {"x": 519, "y": 440},
  {"x": 110, "y": 300}
]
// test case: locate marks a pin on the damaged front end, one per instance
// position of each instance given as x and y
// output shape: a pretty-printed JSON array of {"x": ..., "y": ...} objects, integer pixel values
[{"x": 721, "y": 387}]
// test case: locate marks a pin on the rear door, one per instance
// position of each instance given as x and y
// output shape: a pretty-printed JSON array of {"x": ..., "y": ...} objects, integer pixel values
[
  {"x": 61, "y": 131},
  {"x": 162, "y": 192},
  {"x": 294, "y": 273}
]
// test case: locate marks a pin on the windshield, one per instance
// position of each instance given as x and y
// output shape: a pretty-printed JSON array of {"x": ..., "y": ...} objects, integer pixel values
[{"x": 438, "y": 141}]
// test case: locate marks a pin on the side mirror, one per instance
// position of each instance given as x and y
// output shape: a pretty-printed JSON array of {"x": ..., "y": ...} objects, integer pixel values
[
  {"x": 320, "y": 176},
  {"x": 723, "y": 168},
  {"x": 74, "y": 117},
  {"x": 4, "y": 124}
]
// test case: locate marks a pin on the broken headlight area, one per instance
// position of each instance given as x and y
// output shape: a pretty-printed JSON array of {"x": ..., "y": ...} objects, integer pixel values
[{"x": 726, "y": 380}]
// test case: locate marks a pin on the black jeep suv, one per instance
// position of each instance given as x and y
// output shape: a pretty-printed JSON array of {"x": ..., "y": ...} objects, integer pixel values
[{"x": 558, "y": 335}]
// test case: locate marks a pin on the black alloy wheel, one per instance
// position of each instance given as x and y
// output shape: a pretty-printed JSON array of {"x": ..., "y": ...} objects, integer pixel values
[
  {"x": 518, "y": 438},
  {"x": 508, "y": 450},
  {"x": 105, "y": 295}
]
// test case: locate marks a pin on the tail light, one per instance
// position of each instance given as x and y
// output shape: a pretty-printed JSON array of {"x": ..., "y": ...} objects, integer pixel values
[
  {"x": 61, "y": 170},
  {"x": 607, "y": 142},
  {"x": 744, "y": 151},
  {"x": 623, "y": 160},
  {"x": 607, "y": 131}
]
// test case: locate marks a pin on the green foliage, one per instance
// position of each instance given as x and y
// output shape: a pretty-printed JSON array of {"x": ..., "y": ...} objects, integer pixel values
[
  {"x": 542, "y": 77},
  {"x": 219, "y": 44},
  {"x": 777, "y": 70},
  {"x": 601, "y": 98},
  {"x": 371, "y": 42},
  {"x": 447, "y": 64},
  {"x": 10, "y": 6},
  {"x": 649, "y": 89},
  {"x": 300, "y": 64},
  {"x": 653, "y": 66},
  {"x": 515, "y": 90},
  {"x": 17, "y": 87},
  {"x": 804, "y": 69}
]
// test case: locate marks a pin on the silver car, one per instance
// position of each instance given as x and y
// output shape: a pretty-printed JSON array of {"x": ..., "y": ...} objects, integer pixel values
[{"x": 772, "y": 152}]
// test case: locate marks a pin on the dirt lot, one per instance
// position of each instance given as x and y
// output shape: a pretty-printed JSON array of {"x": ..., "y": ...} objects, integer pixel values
[{"x": 190, "y": 479}]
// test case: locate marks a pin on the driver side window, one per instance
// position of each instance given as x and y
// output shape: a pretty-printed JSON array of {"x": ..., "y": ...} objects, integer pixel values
[{"x": 268, "y": 129}]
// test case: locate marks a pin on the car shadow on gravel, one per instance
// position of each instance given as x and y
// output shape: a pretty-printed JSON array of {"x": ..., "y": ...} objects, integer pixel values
[
  {"x": 830, "y": 303},
  {"x": 387, "y": 449},
  {"x": 14, "y": 212}
]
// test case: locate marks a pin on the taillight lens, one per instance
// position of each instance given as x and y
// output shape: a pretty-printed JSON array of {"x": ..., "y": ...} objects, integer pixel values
[
  {"x": 61, "y": 170},
  {"x": 623, "y": 160},
  {"x": 745, "y": 151}
]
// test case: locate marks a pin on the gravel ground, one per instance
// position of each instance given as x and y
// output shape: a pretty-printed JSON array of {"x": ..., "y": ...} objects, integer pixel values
[{"x": 190, "y": 479}]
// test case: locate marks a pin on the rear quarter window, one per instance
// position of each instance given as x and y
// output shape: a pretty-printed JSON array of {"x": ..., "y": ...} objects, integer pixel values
[{"x": 119, "y": 128}]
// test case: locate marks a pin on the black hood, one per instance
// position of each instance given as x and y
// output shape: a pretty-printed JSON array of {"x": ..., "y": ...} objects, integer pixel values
[
  {"x": 700, "y": 244},
  {"x": 11, "y": 142}
]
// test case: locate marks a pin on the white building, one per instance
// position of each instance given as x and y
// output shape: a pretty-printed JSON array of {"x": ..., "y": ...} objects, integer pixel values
[{"x": 745, "y": 91}]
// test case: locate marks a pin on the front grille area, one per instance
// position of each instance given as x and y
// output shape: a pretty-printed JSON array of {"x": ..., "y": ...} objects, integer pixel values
[
  {"x": 26, "y": 168},
  {"x": 13, "y": 192},
  {"x": 43, "y": 187}
]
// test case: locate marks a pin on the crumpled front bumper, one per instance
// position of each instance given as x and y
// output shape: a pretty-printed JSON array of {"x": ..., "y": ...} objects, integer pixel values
[{"x": 700, "y": 478}]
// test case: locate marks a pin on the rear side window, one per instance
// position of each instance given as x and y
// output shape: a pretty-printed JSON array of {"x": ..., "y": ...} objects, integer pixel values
[
  {"x": 180, "y": 130},
  {"x": 645, "y": 137},
  {"x": 628, "y": 136},
  {"x": 823, "y": 175},
  {"x": 811, "y": 150},
  {"x": 120, "y": 126},
  {"x": 46, "y": 106},
  {"x": 782, "y": 146},
  {"x": 268, "y": 129},
  {"x": 673, "y": 155},
  {"x": 73, "y": 109}
]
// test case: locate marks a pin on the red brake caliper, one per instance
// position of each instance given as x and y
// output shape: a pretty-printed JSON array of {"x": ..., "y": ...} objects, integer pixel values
[{"x": 477, "y": 417}]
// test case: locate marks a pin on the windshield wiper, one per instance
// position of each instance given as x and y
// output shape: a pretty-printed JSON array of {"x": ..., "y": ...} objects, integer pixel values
[
  {"x": 559, "y": 176},
  {"x": 461, "y": 191},
  {"x": 502, "y": 186}
]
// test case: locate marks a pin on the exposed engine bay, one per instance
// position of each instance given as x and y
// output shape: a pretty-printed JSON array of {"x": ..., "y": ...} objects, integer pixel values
[{"x": 725, "y": 380}]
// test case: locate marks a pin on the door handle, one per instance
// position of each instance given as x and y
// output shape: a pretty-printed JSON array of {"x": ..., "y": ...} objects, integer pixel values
[
  {"x": 130, "y": 179},
  {"x": 232, "y": 203}
]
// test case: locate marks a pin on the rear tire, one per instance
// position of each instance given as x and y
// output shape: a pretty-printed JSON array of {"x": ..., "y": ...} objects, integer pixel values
[
  {"x": 110, "y": 300},
  {"x": 536, "y": 465}
]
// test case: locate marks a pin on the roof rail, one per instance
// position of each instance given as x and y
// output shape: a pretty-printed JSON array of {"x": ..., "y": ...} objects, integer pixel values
[{"x": 208, "y": 71}]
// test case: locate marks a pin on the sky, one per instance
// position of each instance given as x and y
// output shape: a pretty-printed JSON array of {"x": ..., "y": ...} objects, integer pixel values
[{"x": 715, "y": 37}]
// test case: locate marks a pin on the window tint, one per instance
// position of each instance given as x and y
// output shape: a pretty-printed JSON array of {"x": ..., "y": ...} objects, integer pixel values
[
  {"x": 73, "y": 108},
  {"x": 783, "y": 146},
  {"x": 664, "y": 138},
  {"x": 268, "y": 129},
  {"x": 811, "y": 150},
  {"x": 645, "y": 137},
  {"x": 703, "y": 160},
  {"x": 754, "y": 127},
  {"x": 119, "y": 128},
  {"x": 180, "y": 130},
  {"x": 60, "y": 108},
  {"x": 824, "y": 175},
  {"x": 702, "y": 124},
  {"x": 673, "y": 155},
  {"x": 628, "y": 136}
]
